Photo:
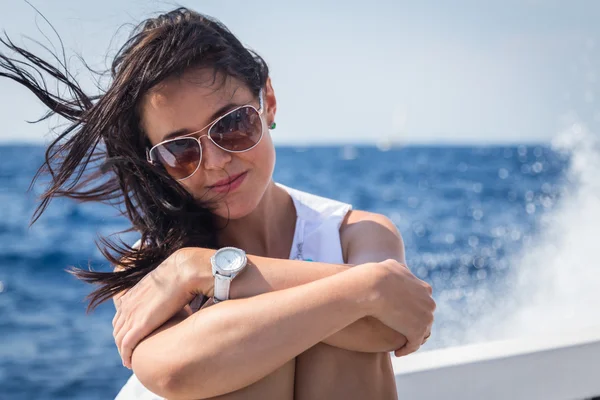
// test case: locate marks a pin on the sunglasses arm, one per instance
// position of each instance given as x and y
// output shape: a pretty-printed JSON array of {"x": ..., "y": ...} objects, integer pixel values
[{"x": 148, "y": 158}]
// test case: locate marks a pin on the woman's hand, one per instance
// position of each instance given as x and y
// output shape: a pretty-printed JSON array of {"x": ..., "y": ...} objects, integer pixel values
[
  {"x": 156, "y": 298},
  {"x": 403, "y": 302}
]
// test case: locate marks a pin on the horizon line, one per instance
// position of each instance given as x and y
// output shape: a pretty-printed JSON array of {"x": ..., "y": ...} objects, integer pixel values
[{"x": 381, "y": 146}]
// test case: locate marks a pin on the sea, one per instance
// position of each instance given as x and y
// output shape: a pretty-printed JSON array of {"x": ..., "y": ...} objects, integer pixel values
[{"x": 506, "y": 235}]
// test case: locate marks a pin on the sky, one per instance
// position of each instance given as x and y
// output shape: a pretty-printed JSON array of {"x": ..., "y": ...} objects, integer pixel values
[{"x": 461, "y": 72}]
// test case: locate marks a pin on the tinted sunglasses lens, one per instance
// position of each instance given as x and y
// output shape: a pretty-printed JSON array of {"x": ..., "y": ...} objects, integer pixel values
[
  {"x": 180, "y": 157},
  {"x": 239, "y": 130}
]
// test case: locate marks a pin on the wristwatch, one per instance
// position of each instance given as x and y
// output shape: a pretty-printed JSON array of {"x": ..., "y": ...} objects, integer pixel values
[{"x": 226, "y": 263}]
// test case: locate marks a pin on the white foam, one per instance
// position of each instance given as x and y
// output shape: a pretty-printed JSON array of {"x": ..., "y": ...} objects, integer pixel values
[{"x": 556, "y": 285}]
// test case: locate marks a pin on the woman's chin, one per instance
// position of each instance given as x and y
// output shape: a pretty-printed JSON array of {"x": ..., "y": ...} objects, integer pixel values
[{"x": 239, "y": 203}]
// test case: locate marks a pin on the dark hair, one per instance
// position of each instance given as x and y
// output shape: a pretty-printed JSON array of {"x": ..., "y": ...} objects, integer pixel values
[{"x": 100, "y": 156}]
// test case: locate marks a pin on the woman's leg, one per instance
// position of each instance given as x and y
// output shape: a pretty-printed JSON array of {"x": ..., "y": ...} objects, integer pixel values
[
  {"x": 327, "y": 372},
  {"x": 278, "y": 385}
]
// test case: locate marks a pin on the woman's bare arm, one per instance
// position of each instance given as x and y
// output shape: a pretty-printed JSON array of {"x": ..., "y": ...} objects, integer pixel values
[
  {"x": 369, "y": 237},
  {"x": 265, "y": 275},
  {"x": 158, "y": 296},
  {"x": 366, "y": 237},
  {"x": 189, "y": 272},
  {"x": 235, "y": 343}
]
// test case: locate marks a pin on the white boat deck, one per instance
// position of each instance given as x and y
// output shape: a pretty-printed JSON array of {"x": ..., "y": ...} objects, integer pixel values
[{"x": 559, "y": 366}]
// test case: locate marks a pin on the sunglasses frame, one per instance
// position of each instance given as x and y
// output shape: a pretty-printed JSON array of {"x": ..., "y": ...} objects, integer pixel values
[{"x": 208, "y": 128}]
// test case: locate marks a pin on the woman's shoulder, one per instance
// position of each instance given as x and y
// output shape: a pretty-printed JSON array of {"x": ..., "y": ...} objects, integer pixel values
[
  {"x": 361, "y": 227},
  {"x": 356, "y": 219}
]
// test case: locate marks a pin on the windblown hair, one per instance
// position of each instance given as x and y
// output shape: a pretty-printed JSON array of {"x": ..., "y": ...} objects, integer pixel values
[{"x": 101, "y": 154}]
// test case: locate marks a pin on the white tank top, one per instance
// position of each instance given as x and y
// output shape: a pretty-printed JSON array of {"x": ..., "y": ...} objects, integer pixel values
[{"x": 316, "y": 238}]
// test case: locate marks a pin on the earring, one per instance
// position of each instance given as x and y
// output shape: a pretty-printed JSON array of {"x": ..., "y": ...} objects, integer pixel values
[{"x": 273, "y": 125}]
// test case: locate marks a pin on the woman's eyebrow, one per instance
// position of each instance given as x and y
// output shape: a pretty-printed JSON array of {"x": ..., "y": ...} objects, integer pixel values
[{"x": 215, "y": 115}]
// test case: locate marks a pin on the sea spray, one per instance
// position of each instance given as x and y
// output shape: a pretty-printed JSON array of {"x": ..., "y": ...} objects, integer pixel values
[{"x": 555, "y": 285}]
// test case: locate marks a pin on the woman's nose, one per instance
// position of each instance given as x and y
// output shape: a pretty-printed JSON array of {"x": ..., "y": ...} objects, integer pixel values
[{"x": 213, "y": 157}]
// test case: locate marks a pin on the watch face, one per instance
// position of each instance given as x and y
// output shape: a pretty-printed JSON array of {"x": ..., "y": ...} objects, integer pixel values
[{"x": 229, "y": 259}]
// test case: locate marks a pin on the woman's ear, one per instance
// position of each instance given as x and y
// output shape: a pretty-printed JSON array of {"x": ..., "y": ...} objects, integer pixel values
[{"x": 270, "y": 103}]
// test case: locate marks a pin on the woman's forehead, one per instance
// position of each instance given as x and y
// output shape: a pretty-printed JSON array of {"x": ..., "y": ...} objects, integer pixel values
[{"x": 205, "y": 84}]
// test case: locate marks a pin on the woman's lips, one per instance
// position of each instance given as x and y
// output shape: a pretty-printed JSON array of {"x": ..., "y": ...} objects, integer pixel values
[{"x": 229, "y": 185}]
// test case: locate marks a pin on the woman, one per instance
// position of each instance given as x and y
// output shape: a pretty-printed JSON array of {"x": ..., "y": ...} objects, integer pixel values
[{"x": 240, "y": 287}]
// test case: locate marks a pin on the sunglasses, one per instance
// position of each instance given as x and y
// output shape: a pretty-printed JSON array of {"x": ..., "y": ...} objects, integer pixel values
[{"x": 237, "y": 131}]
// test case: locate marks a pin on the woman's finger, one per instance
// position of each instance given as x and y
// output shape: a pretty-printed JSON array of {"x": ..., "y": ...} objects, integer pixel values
[
  {"x": 126, "y": 356},
  {"x": 428, "y": 332},
  {"x": 130, "y": 341},
  {"x": 408, "y": 348},
  {"x": 120, "y": 319},
  {"x": 119, "y": 335},
  {"x": 116, "y": 317},
  {"x": 425, "y": 338},
  {"x": 119, "y": 325}
]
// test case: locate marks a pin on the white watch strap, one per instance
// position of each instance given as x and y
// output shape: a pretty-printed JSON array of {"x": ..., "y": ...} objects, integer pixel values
[{"x": 222, "y": 284}]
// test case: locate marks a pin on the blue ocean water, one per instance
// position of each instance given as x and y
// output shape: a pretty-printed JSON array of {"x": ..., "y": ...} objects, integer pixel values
[{"x": 463, "y": 212}]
